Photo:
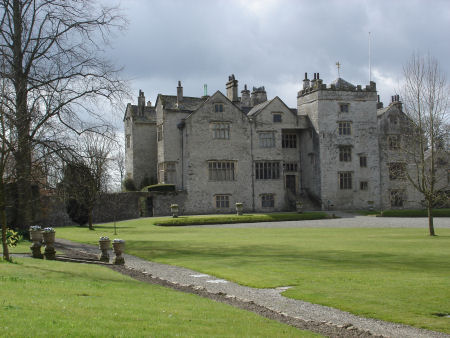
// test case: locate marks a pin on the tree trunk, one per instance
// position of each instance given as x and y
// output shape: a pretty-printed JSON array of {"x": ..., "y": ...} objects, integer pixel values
[
  {"x": 91, "y": 227},
  {"x": 430, "y": 218},
  {"x": 22, "y": 126},
  {"x": 3, "y": 220}
]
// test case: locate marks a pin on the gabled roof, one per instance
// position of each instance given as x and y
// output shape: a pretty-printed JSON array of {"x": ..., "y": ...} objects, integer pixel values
[
  {"x": 149, "y": 112},
  {"x": 169, "y": 102},
  {"x": 213, "y": 97},
  {"x": 341, "y": 84},
  {"x": 258, "y": 108}
]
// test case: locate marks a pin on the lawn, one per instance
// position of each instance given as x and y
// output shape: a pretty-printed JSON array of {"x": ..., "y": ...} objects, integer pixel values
[
  {"x": 404, "y": 213},
  {"x": 399, "y": 275},
  {"x": 55, "y": 299}
]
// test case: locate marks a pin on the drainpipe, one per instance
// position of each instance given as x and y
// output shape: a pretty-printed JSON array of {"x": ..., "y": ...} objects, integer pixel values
[
  {"x": 252, "y": 164},
  {"x": 181, "y": 126}
]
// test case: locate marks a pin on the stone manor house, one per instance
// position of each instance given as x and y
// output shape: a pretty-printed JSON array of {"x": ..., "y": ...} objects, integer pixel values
[{"x": 336, "y": 150}]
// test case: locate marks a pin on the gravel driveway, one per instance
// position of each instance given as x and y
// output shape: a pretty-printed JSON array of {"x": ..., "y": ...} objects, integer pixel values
[{"x": 328, "y": 321}]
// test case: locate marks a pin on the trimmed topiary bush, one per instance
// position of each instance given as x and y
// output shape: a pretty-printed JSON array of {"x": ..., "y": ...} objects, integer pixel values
[
  {"x": 77, "y": 211},
  {"x": 159, "y": 187}
]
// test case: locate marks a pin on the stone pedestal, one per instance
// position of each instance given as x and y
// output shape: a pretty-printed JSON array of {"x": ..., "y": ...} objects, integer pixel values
[
  {"x": 239, "y": 209},
  {"x": 104, "y": 246},
  {"x": 36, "y": 238},
  {"x": 118, "y": 248},
  {"x": 49, "y": 240},
  {"x": 174, "y": 210}
]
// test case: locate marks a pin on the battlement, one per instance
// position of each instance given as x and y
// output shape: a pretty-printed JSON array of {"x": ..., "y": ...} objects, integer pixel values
[{"x": 337, "y": 85}]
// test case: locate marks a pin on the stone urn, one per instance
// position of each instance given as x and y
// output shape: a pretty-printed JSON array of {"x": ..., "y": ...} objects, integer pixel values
[
  {"x": 49, "y": 241},
  {"x": 36, "y": 237},
  {"x": 118, "y": 247},
  {"x": 174, "y": 210},
  {"x": 104, "y": 244},
  {"x": 299, "y": 206},
  {"x": 239, "y": 209}
]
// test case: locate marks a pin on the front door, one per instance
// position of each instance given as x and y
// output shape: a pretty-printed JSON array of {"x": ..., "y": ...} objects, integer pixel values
[{"x": 290, "y": 183}]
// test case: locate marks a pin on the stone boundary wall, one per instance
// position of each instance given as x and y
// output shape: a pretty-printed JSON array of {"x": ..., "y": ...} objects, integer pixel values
[
  {"x": 115, "y": 206},
  {"x": 110, "y": 207}
]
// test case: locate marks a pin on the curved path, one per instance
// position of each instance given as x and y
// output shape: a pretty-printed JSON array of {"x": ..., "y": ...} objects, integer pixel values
[{"x": 345, "y": 323}]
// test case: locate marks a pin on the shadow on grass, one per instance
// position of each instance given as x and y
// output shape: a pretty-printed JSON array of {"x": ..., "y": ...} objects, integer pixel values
[{"x": 272, "y": 255}]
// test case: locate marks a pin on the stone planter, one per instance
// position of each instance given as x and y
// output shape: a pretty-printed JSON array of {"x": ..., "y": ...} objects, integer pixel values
[
  {"x": 49, "y": 241},
  {"x": 174, "y": 210},
  {"x": 239, "y": 209},
  {"x": 36, "y": 237},
  {"x": 104, "y": 245},
  {"x": 118, "y": 247},
  {"x": 299, "y": 207}
]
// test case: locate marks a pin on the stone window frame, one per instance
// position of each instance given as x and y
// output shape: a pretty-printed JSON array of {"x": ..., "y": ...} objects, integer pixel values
[
  {"x": 363, "y": 161},
  {"x": 220, "y": 130},
  {"x": 290, "y": 167},
  {"x": 267, "y": 200},
  {"x": 277, "y": 117},
  {"x": 345, "y": 153},
  {"x": 159, "y": 132},
  {"x": 267, "y": 170},
  {"x": 289, "y": 140},
  {"x": 344, "y": 107},
  {"x": 164, "y": 168},
  {"x": 397, "y": 170},
  {"x": 128, "y": 140},
  {"x": 394, "y": 141},
  {"x": 219, "y": 107},
  {"x": 364, "y": 185},
  {"x": 221, "y": 170},
  {"x": 222, "y": 201},
  {"x": 345, "y": 128},
  {"x": 397, "y": 198},
  {"x": 266, "y": 139},
  {"x": 393, "y": 119},
  {"x": 345, "y": 180}
]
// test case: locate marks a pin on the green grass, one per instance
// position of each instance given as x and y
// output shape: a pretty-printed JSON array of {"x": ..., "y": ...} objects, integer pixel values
[
  {"x": 54, "y": 299},
  {"x": 246, "y": 218},
  {"x": 399, "y": 275},
  {"x": 416, "y": 213}
]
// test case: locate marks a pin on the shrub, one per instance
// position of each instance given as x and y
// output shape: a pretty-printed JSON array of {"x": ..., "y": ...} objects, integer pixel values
[
  {"x": 129, "y": 185},
  {"x": 160, "y": 187},
  {"x": 12, "y": 237},
  {"x": 77, "y": 211}
]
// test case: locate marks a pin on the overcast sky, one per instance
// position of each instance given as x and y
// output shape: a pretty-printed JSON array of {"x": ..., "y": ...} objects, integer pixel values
[{"x": 272, "y": 43}]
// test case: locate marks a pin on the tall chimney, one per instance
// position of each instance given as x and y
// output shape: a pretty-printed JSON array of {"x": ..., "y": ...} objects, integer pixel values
[
  {"x": 141, "y": 102},
  {"x": 245, "y": 97},
  {"x": 179, "y": 93},
  {"x": 306, "y": 82},
  {"x": 232, "y": 89}
]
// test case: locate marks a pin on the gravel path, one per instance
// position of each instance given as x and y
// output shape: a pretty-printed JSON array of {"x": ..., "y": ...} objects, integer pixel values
[{"x": 322, "y": 319}]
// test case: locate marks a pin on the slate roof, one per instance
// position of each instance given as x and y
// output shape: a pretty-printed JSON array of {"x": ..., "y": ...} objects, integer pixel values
[
  {"x": 256, "y": 109},
  {"x": 340, "y": 83},
  {"x": 149, "y": 113},
  {"x": 188, "y": 103}
]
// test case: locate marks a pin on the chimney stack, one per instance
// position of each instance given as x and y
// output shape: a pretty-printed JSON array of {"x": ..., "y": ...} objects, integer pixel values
[
  {"x": 179, "y": 93},
  {"x": 141, "y": 102},
  {"x": 306, "y": 82},
  {"x": 245, "y": 97},
  {"x": 232, "y": 89}
]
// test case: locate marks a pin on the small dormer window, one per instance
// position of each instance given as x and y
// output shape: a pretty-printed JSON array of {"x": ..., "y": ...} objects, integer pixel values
[
  {"x": 343, "y": 107},
  {"x": 277, "y": 118},
  {"x": 218, "y": 107}
]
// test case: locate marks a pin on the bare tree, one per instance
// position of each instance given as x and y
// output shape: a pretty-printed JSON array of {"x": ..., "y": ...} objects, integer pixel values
[
  {"x": 88, "y": 173},
  {"x": 426, "y": 98},
  {"x": 57, "y": 72}
]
